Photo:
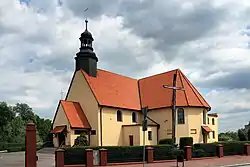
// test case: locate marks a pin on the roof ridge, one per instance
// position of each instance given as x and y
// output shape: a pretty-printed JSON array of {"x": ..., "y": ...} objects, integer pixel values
[
  {"x": 180, "y": 74},
  {"x": 195, "y": 91},
  {"x": 121, "y": 75},
  {"x": 159, "y": 74}
]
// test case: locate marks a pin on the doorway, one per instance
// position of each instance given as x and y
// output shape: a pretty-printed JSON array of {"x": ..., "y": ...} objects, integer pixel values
[
  {"x": 131, "y": 140},
  {"x": 61, "y": 139},
  {"x": 204, "y": 137}
]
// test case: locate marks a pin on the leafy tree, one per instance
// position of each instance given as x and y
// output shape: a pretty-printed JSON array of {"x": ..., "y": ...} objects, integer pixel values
[
  {"x": 248, "y": 134},
  {"x": 228, "y": 136},
  {"x": 25, "y": 112},
  {"x": 43, "y": 127},
  {"x": 81, "y": 140},
  {"x": 241, "y": 135},
  {"x": 6, "y": 115}
]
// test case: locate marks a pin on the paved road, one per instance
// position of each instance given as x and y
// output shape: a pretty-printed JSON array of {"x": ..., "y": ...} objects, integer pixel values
[{"x": 17, "y": 160}]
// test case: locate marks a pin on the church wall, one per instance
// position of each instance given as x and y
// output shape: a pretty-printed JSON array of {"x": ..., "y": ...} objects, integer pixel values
[
  {"x": 61, "y": 119},
  {"x": 81, "y": 92},
  {"x": 193, "y": 120},
  {"x": 112, "y": 134},
  {"x": 213, "y": 128}
]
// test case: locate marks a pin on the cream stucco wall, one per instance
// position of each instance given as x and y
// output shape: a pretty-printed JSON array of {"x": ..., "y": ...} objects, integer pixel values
[
  {"x": 81, "y": 92},
  {"x": 61, "y": 119},
  {"x": 213, "y": 128},
  {"x": 193, "y": 120},
  {"x": 153, "y": 130},
  {"x": 111, "y": 128},
  {"x": 131, "y": 130}
]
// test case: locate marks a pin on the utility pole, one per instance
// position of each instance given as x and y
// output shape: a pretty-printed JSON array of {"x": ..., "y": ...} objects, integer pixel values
[
  {"x": 173, "y": 106},
  {"x": 144, "y": 128}
]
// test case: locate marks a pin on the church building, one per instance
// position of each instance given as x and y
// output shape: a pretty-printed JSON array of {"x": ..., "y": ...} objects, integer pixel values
[{"x": 108, "y": 106}]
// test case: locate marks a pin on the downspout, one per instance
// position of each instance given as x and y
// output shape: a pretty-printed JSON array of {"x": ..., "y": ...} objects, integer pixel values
[{"x": 101, "y": 124}]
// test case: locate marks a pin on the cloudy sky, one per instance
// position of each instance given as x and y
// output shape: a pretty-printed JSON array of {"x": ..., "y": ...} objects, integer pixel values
[{"x": 207, "y": 39}]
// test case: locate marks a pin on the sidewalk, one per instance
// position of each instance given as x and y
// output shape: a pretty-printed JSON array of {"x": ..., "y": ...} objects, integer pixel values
[{"x": 209, "y": 162}]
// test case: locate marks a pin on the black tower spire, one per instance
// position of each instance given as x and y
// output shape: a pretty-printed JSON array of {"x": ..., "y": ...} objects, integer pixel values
[{"x": 86, "y": 58}]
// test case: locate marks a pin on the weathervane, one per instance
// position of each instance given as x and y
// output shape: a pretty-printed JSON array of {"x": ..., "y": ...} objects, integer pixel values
[{"x": 86, "y": 12}]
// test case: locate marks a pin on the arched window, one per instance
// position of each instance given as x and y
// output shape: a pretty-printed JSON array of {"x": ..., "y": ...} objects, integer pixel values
[
  {"x": 212, "y": 121},
  {"x": 181, "y": 117},
  {"x": 119, "y": 115},
  {"x": 133, "y": 117},
  {"x": 204, "y": 116}
]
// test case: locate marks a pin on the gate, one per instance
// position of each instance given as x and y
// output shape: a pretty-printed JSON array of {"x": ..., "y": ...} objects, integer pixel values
[{"x": 96, "y": 157}]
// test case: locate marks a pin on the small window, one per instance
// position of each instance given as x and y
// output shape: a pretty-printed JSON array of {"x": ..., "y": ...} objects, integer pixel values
[
  {"x": 119, "y": 116},
  {"x": 212, "y": 121},
  {"x": 207, "y": 120},
  {"x": 93, "y": 132},
  {"x": 149, "y": 135},
  {"x": 204, "y": 116},
  {"x": 193, "y": 131},
  {"x": 133, "y": 117},
  {"x": 181, "y": 117},
  {"x": 214, "y": 134}
]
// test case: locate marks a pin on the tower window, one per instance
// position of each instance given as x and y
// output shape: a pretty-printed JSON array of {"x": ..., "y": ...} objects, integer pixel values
[
  {"x": 133, "y": 117},
  {"x": 119, "y": 116},
  {"x": 181, "y": 117},
  {"x": 204, "y": 117},
  {"x": 149, "y": 135},
  {"x": 212, "y": 121}
]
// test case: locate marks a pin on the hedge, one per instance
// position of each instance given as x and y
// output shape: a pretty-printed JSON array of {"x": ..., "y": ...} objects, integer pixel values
[
  {"x": 186, "y": 141},
  {"x": 15, "y": 147},
  {"x": 116, "y": 154},
  {"x": 209, "y": 149},
  {"x": 167, "y": 141}
]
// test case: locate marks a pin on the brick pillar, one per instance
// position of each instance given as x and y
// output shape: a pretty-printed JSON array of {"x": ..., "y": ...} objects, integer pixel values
[
  {"x": 30, "y": 145},
  {"x": 246, "y": 149},
  {"x": 59, "y": 157},
  {"x": 150, "y": 154},
  {"x": 188, "y": 153},
  {"x": 103, "y": 157},
  {"x": 89, "y": 158},
  {"x": 219, "y": 150}
]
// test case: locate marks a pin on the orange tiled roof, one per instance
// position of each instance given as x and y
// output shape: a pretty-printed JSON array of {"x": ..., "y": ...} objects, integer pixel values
[
  {"x": 154, "y": 95},
  {"x": 115, "y": 90},
  {"x": 58, "y": 129},
  {"x": 75, "y": 114},
  {"x": 206, "y": 129}
]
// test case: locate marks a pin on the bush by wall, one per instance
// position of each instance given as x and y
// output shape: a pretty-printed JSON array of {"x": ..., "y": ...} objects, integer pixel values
[
  {"x": 204, "y": 149},
  {"x": 185, "y": 141},
  {"x": 12, "y": 147},
  {"x": 116, "y": 154},
  {"x": 167, "y": 141}
]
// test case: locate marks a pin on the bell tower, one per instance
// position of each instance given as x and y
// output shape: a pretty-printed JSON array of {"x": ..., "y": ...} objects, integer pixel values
[{"x": 86, "y": 58}]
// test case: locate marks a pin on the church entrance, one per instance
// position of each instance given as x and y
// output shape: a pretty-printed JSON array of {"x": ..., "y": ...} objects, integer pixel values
[{"x": 61, "y": 139}]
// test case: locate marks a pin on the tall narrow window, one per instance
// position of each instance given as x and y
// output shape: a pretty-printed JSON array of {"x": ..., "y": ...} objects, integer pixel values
[
  {"x": 149, "y": 135},
  {"x": 119, "y": 116},
  {"x": 212, "y": 121},
  {"x": 133, "y": 117},
  {"x": 213, "y": 134},
  {"x": 204, "y": 116},
  {"x": 207, "y": 120},
  {"x": 181, "y": 117}
]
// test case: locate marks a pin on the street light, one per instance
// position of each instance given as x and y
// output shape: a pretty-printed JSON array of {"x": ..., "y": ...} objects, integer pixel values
[{"x": 173, "y": 104}]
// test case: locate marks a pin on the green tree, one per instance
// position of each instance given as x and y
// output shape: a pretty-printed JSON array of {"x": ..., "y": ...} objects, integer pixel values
[
  {"x": 25, "y": 112},
  {"x": 43, "y": 127},
  {"x": 17, "y": 130},
  {"x": 81, "y": 140},
  {"x": 241, "y": 135},
  {"x": 248, "y": 134},
  {"x": 6, "y": 115}
]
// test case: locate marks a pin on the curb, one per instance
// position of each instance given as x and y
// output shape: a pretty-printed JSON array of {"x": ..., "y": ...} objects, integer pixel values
[
  {"x": 236, "y": 165},
  {"x": 3, "y": 151}
]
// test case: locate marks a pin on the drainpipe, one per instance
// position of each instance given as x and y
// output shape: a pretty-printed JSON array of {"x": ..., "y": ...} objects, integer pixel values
[{"x": 101, "y": 124}]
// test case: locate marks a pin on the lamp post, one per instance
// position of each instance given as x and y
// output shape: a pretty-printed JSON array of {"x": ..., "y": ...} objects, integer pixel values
[{"x": 173, "y": 104}]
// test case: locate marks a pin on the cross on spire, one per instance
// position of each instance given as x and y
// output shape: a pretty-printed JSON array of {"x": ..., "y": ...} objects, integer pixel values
[{"x": 62, "y": 94}]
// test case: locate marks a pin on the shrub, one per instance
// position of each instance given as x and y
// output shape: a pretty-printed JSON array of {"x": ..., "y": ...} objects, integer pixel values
[
  {"x": 208, "y": 148},
  {"x": 185, "y": 141},
  {"x": 248, "y": 134},
  {"x": 116, "y": 154},
  {"x": 241, "y": 135},
  {"x": 81, "y": 140},
  {"x": 167, "y": 141},
  {"x": 197, "y": 153}
]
